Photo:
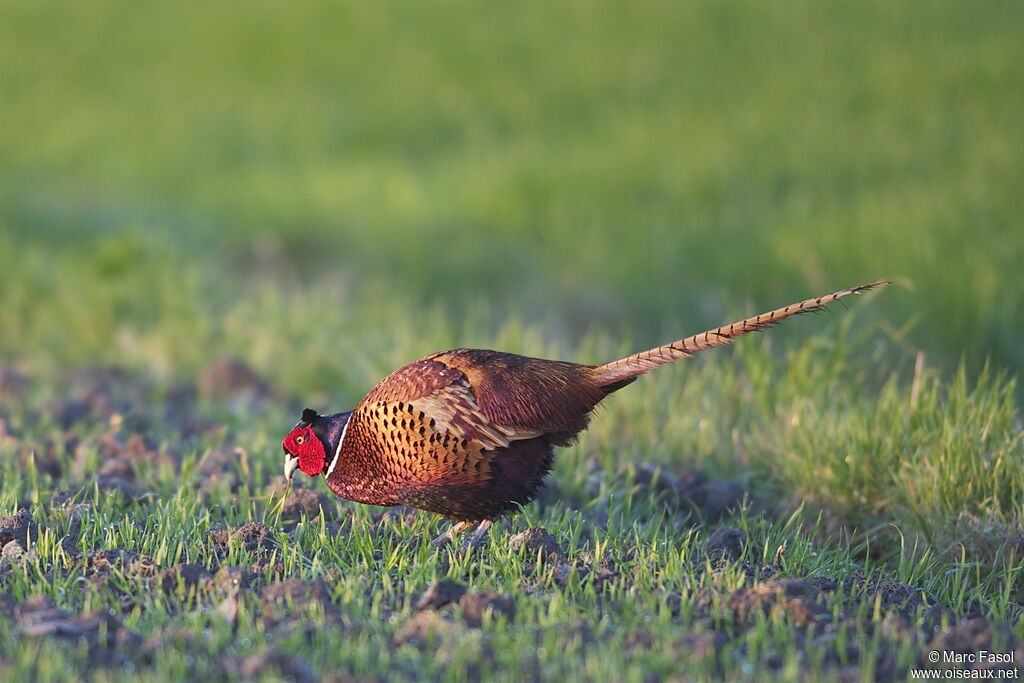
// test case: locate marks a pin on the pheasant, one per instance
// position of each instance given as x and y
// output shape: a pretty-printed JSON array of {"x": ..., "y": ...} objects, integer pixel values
[{"x": 469, "y": 434}]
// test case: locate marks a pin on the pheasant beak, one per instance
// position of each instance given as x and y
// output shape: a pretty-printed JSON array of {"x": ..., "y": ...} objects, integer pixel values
[{"x": 291, "y": 463}]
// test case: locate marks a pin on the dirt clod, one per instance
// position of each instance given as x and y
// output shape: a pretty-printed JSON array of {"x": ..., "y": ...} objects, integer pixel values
[
  {"x": 48, "y": 459},
  {"x": 218, "y": 469},
  {"x": 253, "y": 536},
  {"x": 117, "y": 468},
  {"x": 309, "y": 502},
  {"x": 186, "y": 574},
  {"x": 823, "y": 583},
  {"x": 424, "y": 628},
  {"x": 219, "y": 537},
  {"x": 267, "y": 566},
  {"x": 795, "y": 597},
  {"x": 890, "y": 594},
  {"x": 126, "y": 488},
  {"x": 280, "y": 599},
  {"x": 702, "y": 644},
  {"x": 105, "y": 446},
  {"x": 229, "y": 577},
  {"x": 441, "y": 593},
  {"x": 537, "y": 539},
  {"x": 227, "y": 609},
  {"x": 39, "y": 617},
  {"x": 127, "y": 561},
  {"x": 715, "y": 498},
  {"x": 654, "y": 477},
  {"x": 660, "y": 478},
  {"x": 138, "y": 445},
  {"x": 276, "y": 664},
  {"x": 726, "y": 542},
  {"x": 12, "y": 551},
  {"x": 18, "y": 527},
  {"x": 476, "y": 605},
  {"x": 639, "y": 640}
]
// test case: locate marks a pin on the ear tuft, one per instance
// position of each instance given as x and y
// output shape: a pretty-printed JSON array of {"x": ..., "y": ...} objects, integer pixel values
[{"x": 308, "y": 415}]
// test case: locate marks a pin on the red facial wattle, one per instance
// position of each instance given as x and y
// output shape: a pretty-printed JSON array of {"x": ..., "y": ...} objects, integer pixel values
[{"x": 304, "y": 444}]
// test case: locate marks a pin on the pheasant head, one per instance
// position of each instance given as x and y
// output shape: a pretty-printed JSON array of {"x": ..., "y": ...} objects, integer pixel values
[
  {"x": 307, "y": 445},
  {"x": 303, "y": 448}
]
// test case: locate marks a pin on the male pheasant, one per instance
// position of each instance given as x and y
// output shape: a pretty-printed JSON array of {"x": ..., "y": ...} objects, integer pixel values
[{"x": 469, "y": 434}]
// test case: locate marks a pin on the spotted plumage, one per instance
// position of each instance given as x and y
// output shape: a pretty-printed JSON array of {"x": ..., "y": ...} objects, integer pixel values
[{"x": 469, "y": 434}]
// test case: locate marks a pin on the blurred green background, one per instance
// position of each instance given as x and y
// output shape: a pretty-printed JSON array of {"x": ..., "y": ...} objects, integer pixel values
[
  {"x": 327, "y": 191},
  {"x": 316, "y": 186}
]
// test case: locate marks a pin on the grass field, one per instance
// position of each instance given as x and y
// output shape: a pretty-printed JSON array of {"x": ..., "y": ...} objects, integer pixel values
[{"x": 326, "y": 192}]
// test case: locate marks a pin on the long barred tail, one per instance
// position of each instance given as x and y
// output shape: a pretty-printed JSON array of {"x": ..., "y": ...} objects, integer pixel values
[{"x": 621, "y": 372}]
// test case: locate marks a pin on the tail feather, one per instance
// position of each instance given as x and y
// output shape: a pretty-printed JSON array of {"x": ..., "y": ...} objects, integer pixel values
[{"x": 618, "y": 373}]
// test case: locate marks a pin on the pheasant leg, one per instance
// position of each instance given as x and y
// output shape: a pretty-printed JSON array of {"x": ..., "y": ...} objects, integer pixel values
[
  {"x": 450, "y": 533},
  {"x": 477, "y": 537}
]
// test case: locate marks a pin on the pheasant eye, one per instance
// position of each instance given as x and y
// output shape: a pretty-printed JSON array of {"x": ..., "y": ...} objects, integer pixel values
[{"x": 299, "y": 439}]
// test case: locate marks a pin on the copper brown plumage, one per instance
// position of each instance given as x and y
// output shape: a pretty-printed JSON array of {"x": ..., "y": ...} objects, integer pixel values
[{"x": 469, "y": 434}]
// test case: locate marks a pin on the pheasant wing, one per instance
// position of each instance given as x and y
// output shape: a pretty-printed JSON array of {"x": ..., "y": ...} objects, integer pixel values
[
  {"x": 444, "y": 395},
  {"x": 454, "y": 409},
  {"x": 527, "y": 397}
]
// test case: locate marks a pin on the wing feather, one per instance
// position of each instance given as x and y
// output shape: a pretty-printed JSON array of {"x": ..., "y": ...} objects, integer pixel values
[
  {"x": 455, "y": 410},
  {"x": 494, "y": 398}
]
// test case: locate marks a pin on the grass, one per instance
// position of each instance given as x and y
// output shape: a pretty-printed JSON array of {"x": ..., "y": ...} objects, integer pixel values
[
  {"x": 664, "y": 165},
  {"x": 546, "y": 618},
  {"x": 329, "y": 192},
  {"x": 896, "y": 524}
]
